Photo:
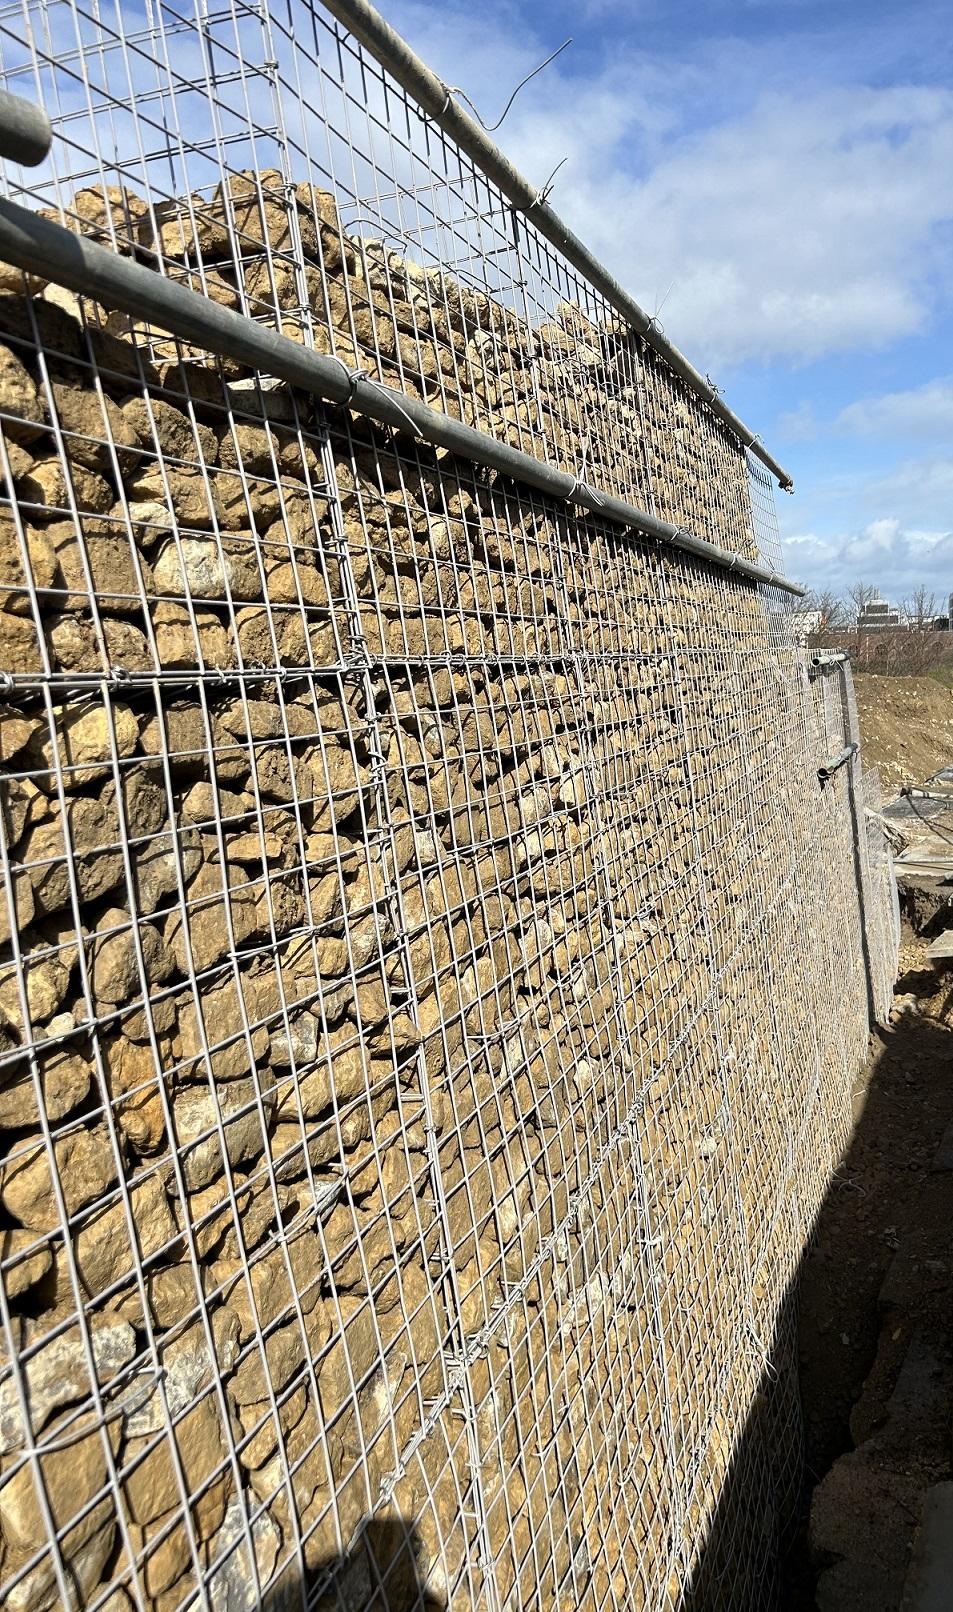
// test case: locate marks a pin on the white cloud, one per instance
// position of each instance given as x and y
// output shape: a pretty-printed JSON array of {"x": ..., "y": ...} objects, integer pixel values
[
  {"x": 799, "y": 223},
  {"x": 923, "y": 412},
  {"x": 893, "y": 527},
  {"x": 800, "y": 424},
  {"x": 778, "y": 206},
  {"x": 799, "y": 230},
  {"x": 919, "y": 491},
  {"x": 894, "y": 557}
]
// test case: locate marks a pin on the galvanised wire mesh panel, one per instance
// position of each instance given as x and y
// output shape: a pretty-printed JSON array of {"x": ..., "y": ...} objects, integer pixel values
[
  {"x": 764, "y": 515},
  {"x": 260, "y": 154},
  {"x": 432, "y": 973},
  {"x": 884, "y": 901}
]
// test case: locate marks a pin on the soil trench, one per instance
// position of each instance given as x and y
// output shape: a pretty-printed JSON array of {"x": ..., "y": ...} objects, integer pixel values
[{"x": 876, "y": 1301}]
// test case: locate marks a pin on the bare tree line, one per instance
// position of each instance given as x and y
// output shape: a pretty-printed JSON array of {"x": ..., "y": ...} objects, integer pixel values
[
  {"x": 918, "y": 611},
  {"x": 921, "y": 641}
]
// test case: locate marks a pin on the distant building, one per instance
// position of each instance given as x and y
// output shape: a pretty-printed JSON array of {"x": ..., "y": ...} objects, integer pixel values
[{"x": 878, "y": 616}]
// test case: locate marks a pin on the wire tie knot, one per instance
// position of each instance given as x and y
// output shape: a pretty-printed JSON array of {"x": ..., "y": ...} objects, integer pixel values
[
  {"x": 118, "y": 675},
  {"x": 448, "y": 91},
  {"x": 542, "y": 196},
  {"x": 770, "y": 1369},
  {"x": 356, "y": 375},
  {"x": 581, "y": 486},
  {"x": 353, "y": 377}
]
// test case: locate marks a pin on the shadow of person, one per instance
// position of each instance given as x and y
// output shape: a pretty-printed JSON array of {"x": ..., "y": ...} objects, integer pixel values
[{"x": 380, "y": 1572}]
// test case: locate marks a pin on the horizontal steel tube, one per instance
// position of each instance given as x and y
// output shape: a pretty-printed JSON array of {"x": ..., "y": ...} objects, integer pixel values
[
  {"x": 26, "y": 133},
  {"x": 430, "y": 92},
  {"x": 826, "y": 663},
  {"x": 830, "y": 767},
  {"x": 39, "y": 246}
]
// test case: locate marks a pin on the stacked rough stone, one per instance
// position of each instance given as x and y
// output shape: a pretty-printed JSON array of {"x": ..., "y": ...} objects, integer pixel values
[
  {"x": 387, "y": 1047},
  {"x": 578, "y": 391}
]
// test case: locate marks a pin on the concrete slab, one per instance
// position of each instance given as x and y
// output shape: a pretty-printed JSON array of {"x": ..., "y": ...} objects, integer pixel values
[{"x": 939, "y": 868}]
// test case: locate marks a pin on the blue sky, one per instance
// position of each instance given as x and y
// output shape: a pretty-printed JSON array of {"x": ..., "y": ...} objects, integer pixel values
[{"x": 777, "y": 180}]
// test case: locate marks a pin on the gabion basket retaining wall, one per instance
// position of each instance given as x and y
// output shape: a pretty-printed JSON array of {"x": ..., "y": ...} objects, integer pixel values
[{"x": 432, "y": 973}]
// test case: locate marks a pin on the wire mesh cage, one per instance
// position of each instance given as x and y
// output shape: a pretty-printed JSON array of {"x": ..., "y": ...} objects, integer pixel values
[{"x": 432, "y": 972}]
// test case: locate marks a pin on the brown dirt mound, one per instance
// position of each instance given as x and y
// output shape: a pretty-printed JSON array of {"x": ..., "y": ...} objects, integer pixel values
[{"x": 906, "y": 727}]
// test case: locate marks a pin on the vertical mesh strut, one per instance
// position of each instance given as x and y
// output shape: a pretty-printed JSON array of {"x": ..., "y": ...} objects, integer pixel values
[{"x": 432, "y": 974}]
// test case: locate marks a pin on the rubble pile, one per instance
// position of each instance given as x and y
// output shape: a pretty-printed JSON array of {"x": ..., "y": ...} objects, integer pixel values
[{"x": 375, "y": 862}]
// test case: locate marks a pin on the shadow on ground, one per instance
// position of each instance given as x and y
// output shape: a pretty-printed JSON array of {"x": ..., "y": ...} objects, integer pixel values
[{"x": 865, "y": 1337}]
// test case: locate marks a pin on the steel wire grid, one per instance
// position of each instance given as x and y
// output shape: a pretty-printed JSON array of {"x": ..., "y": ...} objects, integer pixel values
[
  {"x": 764, "y": 518},
  {"x": 433, "y": 974},
  {"x": 394, "y": 253}
]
